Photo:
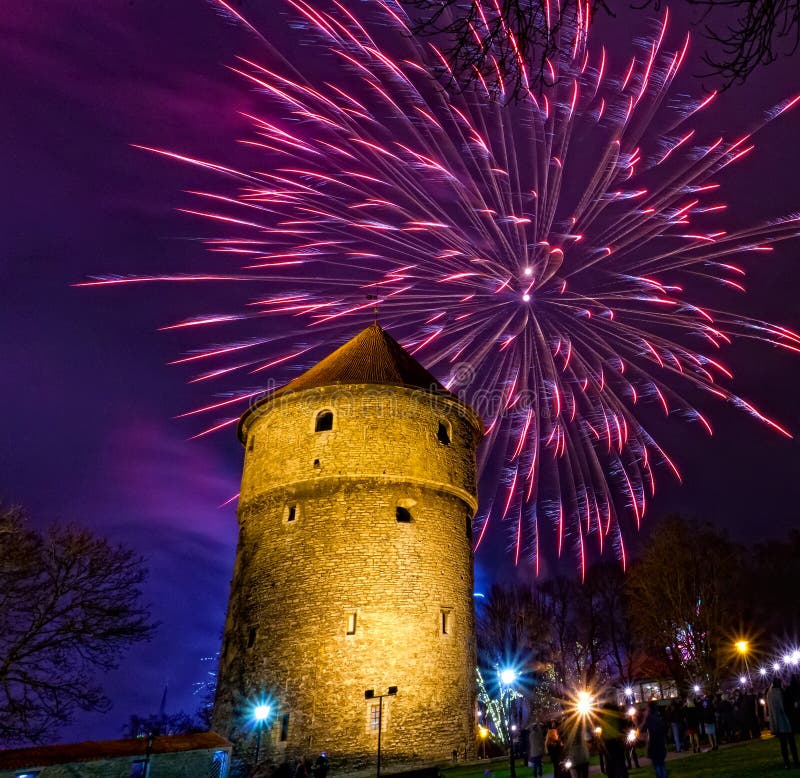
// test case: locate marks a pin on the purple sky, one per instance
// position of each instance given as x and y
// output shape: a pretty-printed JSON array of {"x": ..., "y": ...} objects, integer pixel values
[{"x": 88, "y": 401}]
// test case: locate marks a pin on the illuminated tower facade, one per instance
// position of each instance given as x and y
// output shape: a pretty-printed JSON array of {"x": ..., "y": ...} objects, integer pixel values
[{"x": 354, "y": 565}]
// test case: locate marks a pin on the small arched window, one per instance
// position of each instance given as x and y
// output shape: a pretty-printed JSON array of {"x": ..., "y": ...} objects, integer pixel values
[
  {"x": 403, "y": 515},
  {"x": 324, "y": 421},
  {"x": 443, "y": 433}
]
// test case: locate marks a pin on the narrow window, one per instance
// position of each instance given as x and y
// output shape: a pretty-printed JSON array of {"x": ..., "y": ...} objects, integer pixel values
[
  {"x": 138, "y": 769},
  {"x": 402, "y": 515},
  {"x": 351, "y": 624},
  {"x": 324, "y": 421},
  {"x": 374, "y": 717},
  {"x": 284, "y": 727},
  {"x": 443, "y": 434},
  {"x": 292, "y": 514},
  {"x": 251, "y": 442},
  {"x": 316, "y": 464},
  {"x": 219, "y": 765},
  {"x": 251, "y": 636},
  {"x": 445, "y": 622}
]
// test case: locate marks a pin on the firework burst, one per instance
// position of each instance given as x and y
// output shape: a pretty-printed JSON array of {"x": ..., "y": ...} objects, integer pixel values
[{"x": 552, "y": 258}]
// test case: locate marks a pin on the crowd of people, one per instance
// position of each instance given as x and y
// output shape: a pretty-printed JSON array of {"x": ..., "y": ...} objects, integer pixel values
[{"x": 616, "y": 733}]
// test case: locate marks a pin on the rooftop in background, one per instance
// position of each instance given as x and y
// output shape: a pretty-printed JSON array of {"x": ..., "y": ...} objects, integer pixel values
[
  {"x": 92, "y": 750},
  {"x": 371, "y": 357}
]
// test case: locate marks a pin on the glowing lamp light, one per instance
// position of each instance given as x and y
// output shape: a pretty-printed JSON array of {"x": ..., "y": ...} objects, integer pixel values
[
  {"x": 583, "y": 704},
  {"x": 513, "y": 727},
  {"x": 632, "y": 736},
  {"x": 526, "y": 298},
  {"x": 742, "y": 646},
  {"x": 628, "y": 691},
  {"x": 261, "y": 713},
  {"x": 763, "y": 701},
  {"x": 795, "y": 657},
  {"x": 568, "y": 764},
  {"x": 787, "y": 659},
  {"x": 776, "y": 667},
  {"x": 483, "y": 732},
  {"x": 742, "y": 680},
  {"x": 696, "y": 689},
  {"x": 528, "y": 271},
  {"x": 762, "y": 671},
  {"x": 508, "y": 676},
  {"x": 598, "y": 730},
  {"x": 631, "y": 711}
]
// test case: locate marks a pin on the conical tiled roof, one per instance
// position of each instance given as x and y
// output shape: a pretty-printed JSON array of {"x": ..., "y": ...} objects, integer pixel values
[{"x": 371, "y": 357}]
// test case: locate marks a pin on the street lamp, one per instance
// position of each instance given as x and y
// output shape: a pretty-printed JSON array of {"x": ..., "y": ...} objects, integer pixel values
[
  {"x": 369, "y": 694},
  {"x": 508, "y": 676},
  {"x": 260, "y": 715},
  {"x": 484, "y": 733}
]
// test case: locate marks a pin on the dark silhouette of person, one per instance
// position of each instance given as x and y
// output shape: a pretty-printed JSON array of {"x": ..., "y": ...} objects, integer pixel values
[
  {"x": 780, "y": 724},
  {"x": 656, "y": 729}
]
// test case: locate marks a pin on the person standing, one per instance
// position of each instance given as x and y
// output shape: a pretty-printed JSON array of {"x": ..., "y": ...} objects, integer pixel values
[
  {"x": 709, "y": 714},
  {"x": 656, "y": 730},
  {"x": 780, "y": 724},
  {"x": 612, "y": 743},
  {"x": 579, "y": 753},
  {"x": 674, "y": 719},
  {"x": 692, "y": 716},
  {"x": 555, "y": 748},
  {"x": 536, "y": 749}
]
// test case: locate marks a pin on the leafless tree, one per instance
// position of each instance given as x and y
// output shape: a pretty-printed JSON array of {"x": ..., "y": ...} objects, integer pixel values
[
  {"x": 505, "y": 45},
  {"x": 70, "y": 604}
]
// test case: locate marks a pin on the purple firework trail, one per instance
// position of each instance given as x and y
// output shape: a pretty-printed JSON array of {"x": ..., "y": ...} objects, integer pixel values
[{"x": 551, "y": 255}]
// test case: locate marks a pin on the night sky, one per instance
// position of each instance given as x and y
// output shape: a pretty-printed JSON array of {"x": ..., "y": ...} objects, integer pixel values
[{"x": 88, "y": 401}]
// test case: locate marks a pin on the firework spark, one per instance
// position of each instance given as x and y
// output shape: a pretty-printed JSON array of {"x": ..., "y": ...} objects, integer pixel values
[{"x": 555, "y": 258}]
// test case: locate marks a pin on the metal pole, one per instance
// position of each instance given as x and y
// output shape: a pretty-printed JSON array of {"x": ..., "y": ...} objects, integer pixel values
[
  {"x": 380, "y": 727},
  {"x": 258, "y": 744}
]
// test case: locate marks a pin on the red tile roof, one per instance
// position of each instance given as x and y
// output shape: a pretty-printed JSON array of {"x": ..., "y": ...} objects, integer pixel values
[{"x": 91, "y": 750}]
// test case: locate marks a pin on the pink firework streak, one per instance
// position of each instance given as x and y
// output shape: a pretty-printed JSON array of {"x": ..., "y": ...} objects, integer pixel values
[{"x": 555, "y": 259}]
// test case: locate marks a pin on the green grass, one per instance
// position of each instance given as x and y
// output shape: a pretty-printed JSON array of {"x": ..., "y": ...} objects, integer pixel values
[{"x": 757, "y": 759}]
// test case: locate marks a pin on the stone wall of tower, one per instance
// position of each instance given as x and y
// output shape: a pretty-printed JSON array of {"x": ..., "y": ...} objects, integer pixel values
[{"x": 321, "y": 553}]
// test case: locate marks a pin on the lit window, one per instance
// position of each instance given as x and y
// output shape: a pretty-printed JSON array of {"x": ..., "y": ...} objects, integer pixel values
[
  {"x": 443, "y": 433},
  {"x": 402, "y": 514},
  {"x": 251, "y": 637},
  {"x": 139, "y": 769},
  {"x": 219, "y": 765},
  {"x": 445, "y": 622},
  {"x": 284, "y": 727},
  {"x": 351, "y": 624},
  {"x": 374, "y": 717},
  {"x": 324, "y": 421}
]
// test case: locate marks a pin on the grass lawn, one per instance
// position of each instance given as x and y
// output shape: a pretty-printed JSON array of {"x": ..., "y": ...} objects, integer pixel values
[{"x": 756, "y": 759}]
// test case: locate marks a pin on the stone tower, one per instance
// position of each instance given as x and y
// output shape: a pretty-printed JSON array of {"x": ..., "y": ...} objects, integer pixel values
[{"x": 354, "y": 564}]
